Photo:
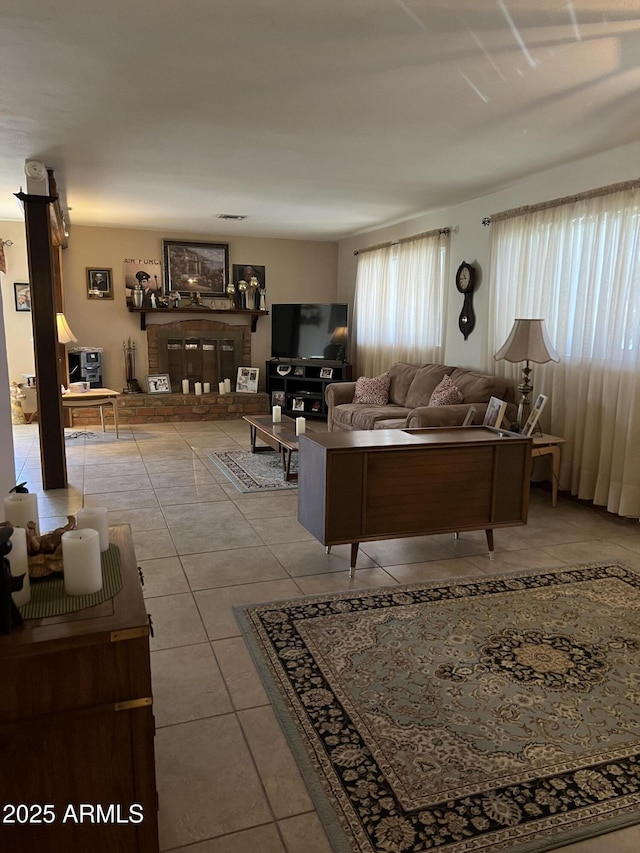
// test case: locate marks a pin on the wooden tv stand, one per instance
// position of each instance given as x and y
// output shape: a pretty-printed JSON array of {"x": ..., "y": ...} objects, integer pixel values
[{"x": 384, "y": 484}]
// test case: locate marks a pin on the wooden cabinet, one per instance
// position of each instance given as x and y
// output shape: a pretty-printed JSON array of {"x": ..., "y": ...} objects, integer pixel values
[
  {"x": 381, "y": 484},
  {"x": 77, "y": 727},
  {"x": 303, "y": 384}
]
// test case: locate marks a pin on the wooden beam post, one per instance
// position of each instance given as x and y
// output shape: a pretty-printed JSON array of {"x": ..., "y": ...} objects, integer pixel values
[{"x": 40, "y": 253}]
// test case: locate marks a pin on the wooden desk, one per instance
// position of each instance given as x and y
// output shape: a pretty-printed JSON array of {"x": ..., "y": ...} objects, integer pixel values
[
  {"x": 381, "y": 484},
  {"x": 544, "y": 445},
  {"x": 94, "y": 398},
  {"x": 76, "y": 722}
]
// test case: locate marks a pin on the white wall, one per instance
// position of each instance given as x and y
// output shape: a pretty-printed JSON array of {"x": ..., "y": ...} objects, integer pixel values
[{"x": 470, "y": 243}]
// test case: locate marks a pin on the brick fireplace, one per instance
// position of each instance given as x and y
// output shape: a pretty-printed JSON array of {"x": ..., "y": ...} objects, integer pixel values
[{"x": 160, "y": 408}]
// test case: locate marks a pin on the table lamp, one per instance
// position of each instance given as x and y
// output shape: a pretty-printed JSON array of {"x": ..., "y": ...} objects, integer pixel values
[{"x": 528, "y": 341}]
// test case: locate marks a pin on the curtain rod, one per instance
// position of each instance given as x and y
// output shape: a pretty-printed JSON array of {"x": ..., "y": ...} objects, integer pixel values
[
  {"x": 406, "y": 239},
  {"x": 558, "y": 202}
]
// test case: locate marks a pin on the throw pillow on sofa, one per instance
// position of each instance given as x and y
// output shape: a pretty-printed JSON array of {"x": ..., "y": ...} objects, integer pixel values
[
  {"x": 372, "y": 392},
  {"x": 446, "y": 393}
]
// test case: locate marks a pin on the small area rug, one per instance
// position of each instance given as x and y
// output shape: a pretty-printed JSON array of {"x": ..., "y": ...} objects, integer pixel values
[
  {"x": 483, "y": 714},
  {"x": 254, "y": 472}
]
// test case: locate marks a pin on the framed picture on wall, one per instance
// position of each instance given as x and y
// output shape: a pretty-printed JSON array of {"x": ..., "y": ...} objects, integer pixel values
[
  {"x": 193, "y": 267},
  {"x": 99, "y": 283},
  {"x": 22, "y": 296}
]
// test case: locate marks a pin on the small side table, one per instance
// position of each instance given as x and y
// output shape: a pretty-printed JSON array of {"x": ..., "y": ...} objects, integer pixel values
[
  {"x": 94, "y": 398},
  {"x": 549, "y": 445}
]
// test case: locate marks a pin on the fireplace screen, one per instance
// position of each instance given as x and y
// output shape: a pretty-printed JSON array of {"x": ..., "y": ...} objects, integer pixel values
[{"x": 209, "y": 358}]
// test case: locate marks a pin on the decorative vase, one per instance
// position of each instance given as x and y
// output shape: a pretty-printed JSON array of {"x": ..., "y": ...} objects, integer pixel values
[{"x": 137, "y": 296}]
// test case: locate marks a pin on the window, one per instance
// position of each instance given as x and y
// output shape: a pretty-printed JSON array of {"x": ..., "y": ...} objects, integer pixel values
[{"x": 399, "y": 311}]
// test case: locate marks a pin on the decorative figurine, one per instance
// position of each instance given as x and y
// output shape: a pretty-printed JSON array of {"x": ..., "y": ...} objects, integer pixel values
[
  {"x": 45, "y": 551},
  {"x": 196, "y": 299},
  {"x": 175, "y": 298},
  {"x": 10, "y": 616},
  {"x": 231, "y": 293}
]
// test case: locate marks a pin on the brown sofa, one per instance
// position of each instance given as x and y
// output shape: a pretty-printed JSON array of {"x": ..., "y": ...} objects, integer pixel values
[{"x": 410, "y": 389}]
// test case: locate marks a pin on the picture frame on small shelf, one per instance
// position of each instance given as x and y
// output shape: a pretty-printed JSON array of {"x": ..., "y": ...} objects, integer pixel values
[
  {"x": 326, "y": 373},
  {"x": 158, "y": 383},
  {"x": 532, "y": 421},
  {"x": 279, "y": 398},
  {"x": 298, "y": 370},
  {"x": 297, "y": 404},
  {"x": 247, "y": 380}
]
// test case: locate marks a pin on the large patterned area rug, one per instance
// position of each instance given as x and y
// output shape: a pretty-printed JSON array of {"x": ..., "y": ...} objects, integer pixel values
[
  {"x": 254, "y": 472},
  {"x": 483, "y": 714}
]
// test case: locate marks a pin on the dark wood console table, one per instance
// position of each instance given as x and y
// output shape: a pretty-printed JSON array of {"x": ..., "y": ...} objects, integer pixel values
[
  {"x": 383, "y": 484},
  {"x": 77, "y": 726}
]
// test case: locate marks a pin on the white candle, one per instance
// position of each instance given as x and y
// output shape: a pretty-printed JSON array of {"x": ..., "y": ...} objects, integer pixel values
[
  {"x": 185, "y": 386},
  {"x": 81, "y": 562},
  {"x": 19, "y": 562},
  {"x": 220, "y": 387},
  {"x": 95, "y": 518},
  {"x": 227, "y": 386},
  {"x": 207, "y": 387},
  {"x": 301, "y": 426},
  {"x": 198, "y": 388},
  {"x": 276, "y": 413},
  {"x": 21, "y": 508}
]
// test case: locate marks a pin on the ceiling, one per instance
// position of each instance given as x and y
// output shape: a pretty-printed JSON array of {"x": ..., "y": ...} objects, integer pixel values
[{"x": 316, "y": 119}]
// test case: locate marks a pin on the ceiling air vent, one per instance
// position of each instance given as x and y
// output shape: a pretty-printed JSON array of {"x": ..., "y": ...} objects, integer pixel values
[{"x": 231, "y": 216}]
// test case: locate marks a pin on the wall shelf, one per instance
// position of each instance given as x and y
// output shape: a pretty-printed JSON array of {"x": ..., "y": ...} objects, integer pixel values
[{"x": 194, "y": 309}]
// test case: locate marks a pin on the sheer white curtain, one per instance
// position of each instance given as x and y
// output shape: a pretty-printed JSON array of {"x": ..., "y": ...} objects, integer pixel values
[
  {"x": 577, "y": 265},
  {"x": 399, "y": 308}
]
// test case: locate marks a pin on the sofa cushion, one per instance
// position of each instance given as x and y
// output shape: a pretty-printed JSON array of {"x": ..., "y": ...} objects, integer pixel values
[
  {"x": 372, "y": 392},
  {"x": 400, "y": 378},
  {"x": 446, "y": 393},
  {"x": 424, "y": 383},
  {"x": 480, "y": 387},
  {"x": 358, "y": 416}
]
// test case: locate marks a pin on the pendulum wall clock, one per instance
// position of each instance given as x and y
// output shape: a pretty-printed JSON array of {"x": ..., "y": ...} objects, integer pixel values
[{"x": 465, "y": 279}]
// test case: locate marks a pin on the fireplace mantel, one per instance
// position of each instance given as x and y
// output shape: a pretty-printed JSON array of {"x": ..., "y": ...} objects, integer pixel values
[{"x": 197, "y": 310}]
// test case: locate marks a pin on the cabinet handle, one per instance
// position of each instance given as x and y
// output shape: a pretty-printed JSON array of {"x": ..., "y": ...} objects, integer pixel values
[
  {"x": 141, "y": 575},
  {"x": 151, "y": 632}
]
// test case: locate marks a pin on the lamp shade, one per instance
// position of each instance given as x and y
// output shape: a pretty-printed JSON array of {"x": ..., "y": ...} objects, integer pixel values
[
  {"x": 65, "y": 335},
  {"x": 528, "y": 341}
]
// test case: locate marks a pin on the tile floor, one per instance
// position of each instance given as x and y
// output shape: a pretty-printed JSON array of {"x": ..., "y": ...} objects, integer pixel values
[{"x": 227, "y": 782}]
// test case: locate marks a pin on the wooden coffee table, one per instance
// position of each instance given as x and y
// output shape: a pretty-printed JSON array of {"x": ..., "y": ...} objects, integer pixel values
[{"x": 281, "y": 437}]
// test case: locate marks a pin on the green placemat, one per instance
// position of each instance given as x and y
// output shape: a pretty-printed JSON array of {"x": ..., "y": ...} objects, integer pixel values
[{"x": 48, "y": 597}]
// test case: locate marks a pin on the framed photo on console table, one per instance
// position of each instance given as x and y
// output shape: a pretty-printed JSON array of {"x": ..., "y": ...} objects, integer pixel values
[
  {"x": 326, "y": 372},
  {"x": 532, "y": 420},
  {"x": 193, "y": 267}
]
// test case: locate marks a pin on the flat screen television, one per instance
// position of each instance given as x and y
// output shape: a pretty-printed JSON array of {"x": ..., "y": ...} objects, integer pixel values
[{"x": 309, "y": 331}]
